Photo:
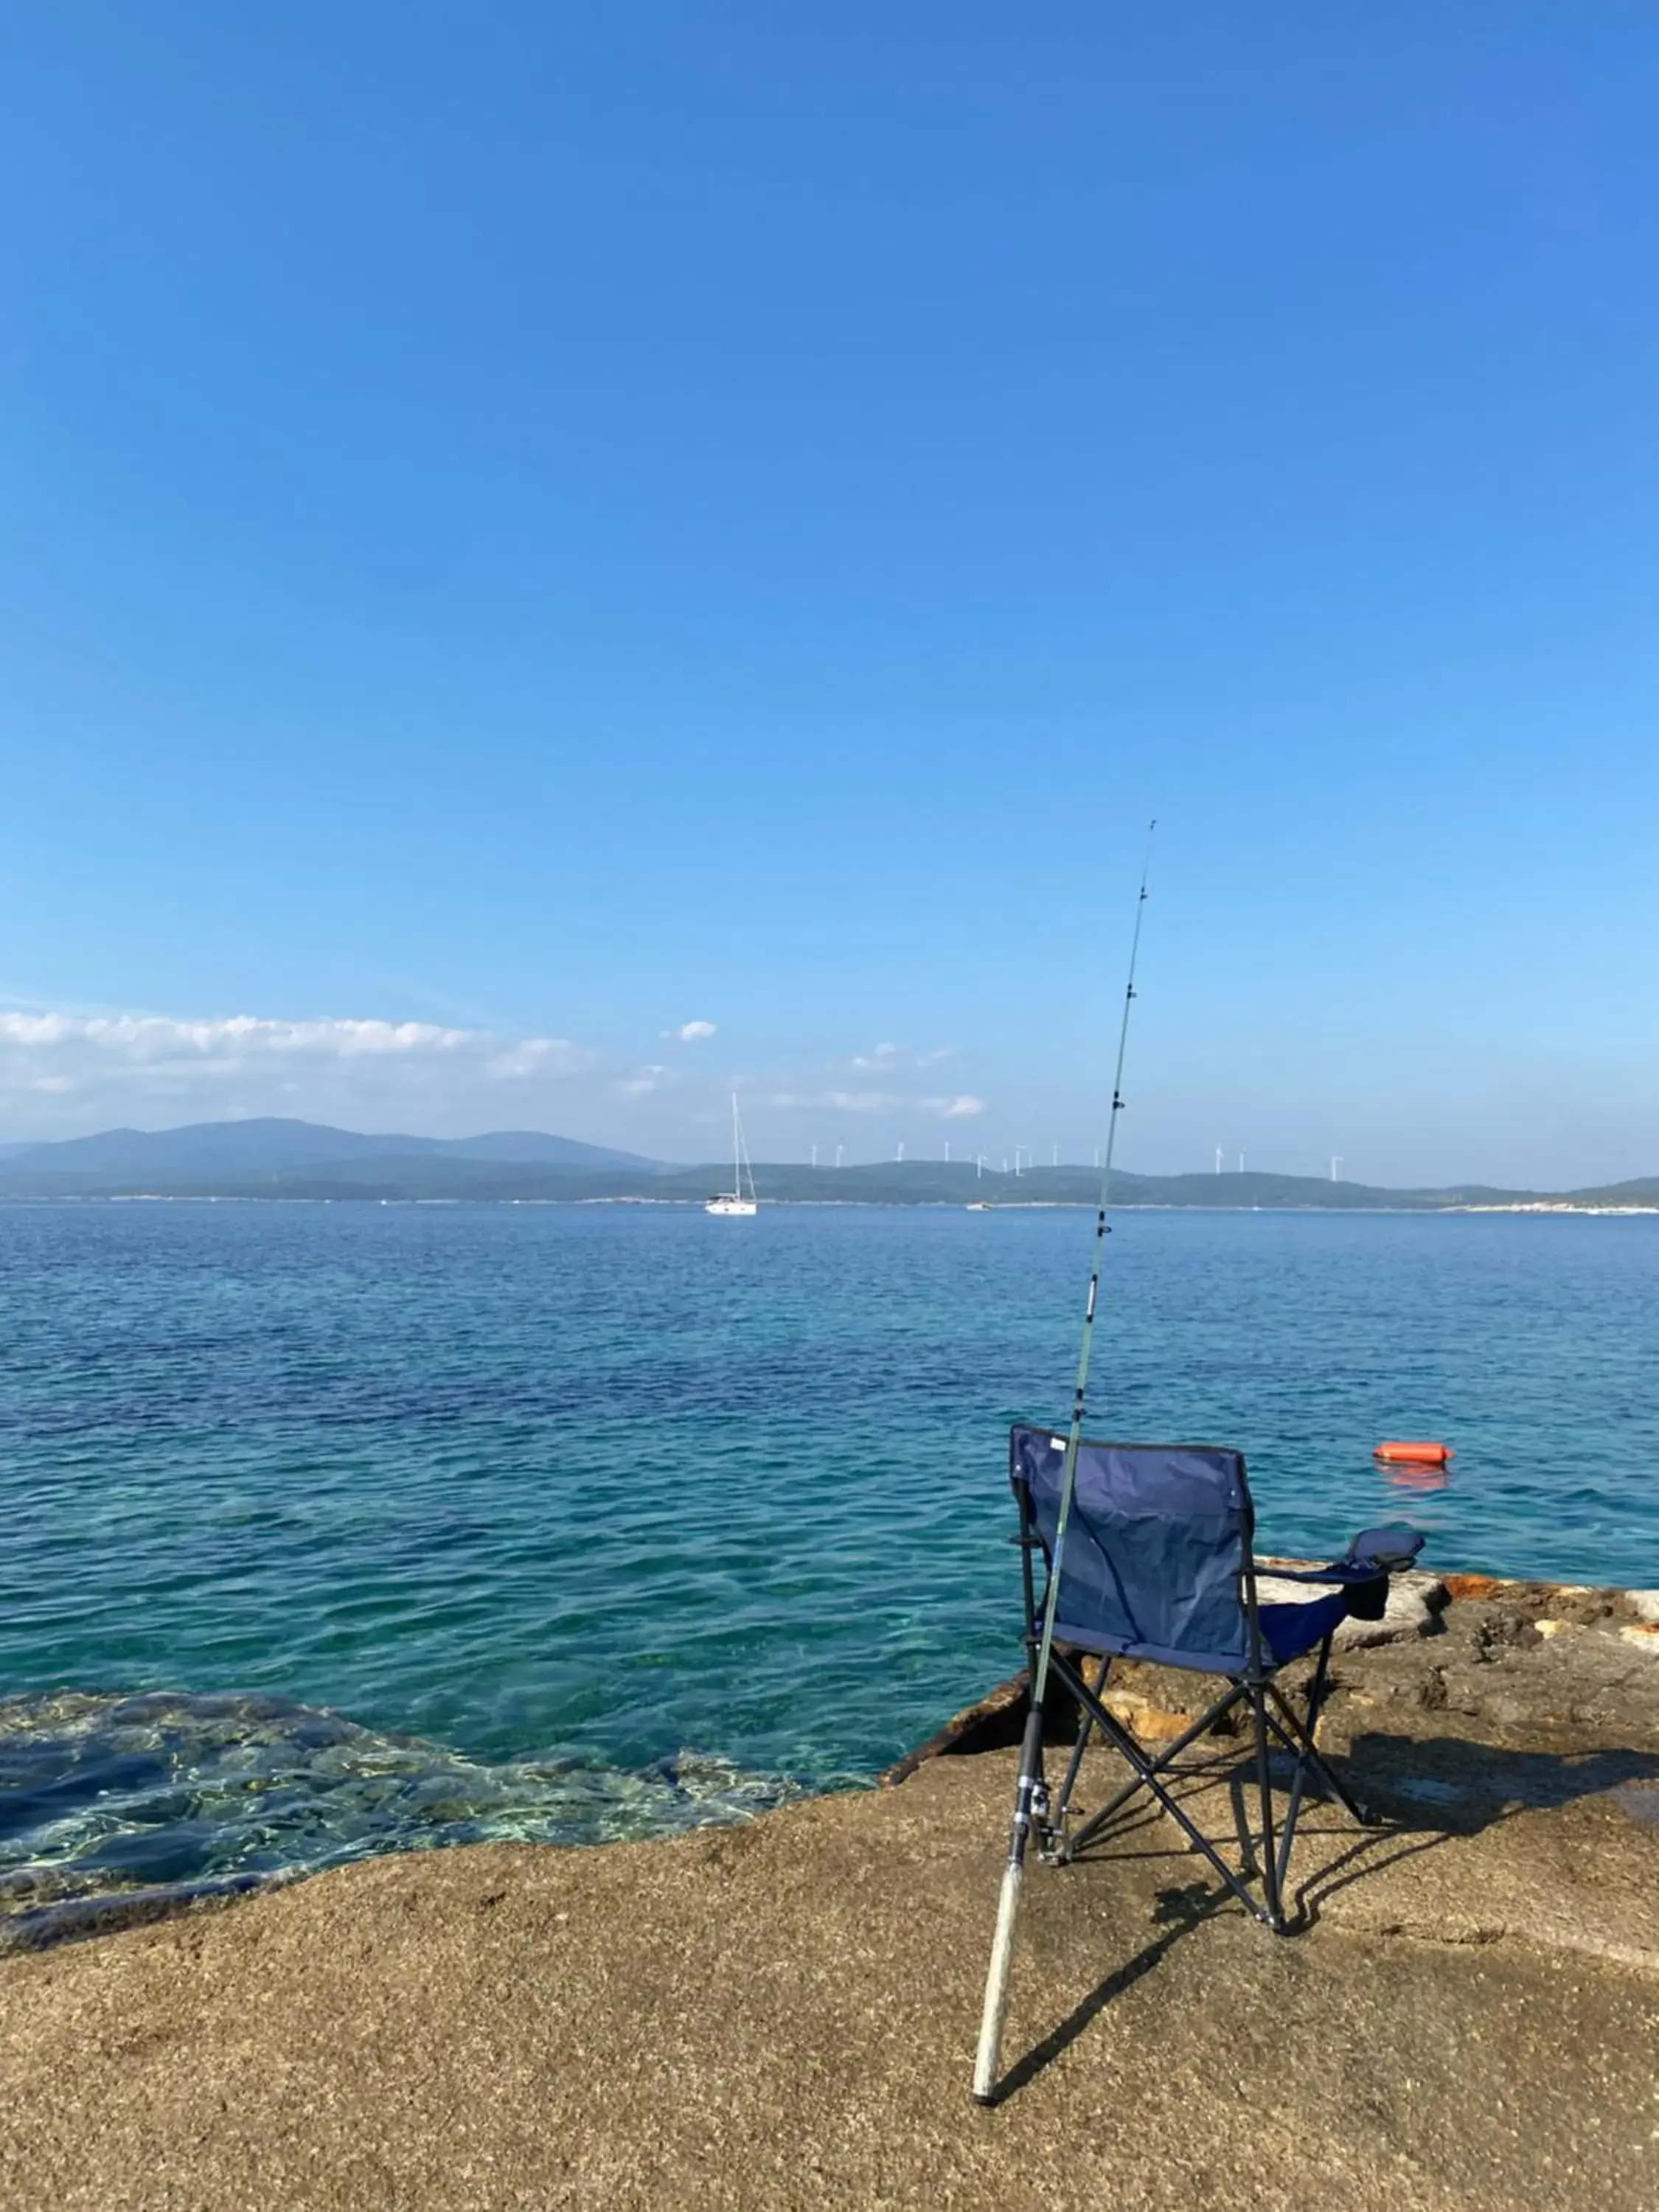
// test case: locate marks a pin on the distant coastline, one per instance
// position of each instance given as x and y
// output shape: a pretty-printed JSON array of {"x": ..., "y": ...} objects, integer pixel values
[
  {"x": 302, "y": 1160},
  {"x": 1553, "y": 1206},
  {"x": 1557, "y": 1207}
]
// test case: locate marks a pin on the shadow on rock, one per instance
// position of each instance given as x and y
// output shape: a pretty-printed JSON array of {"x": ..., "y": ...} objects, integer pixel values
[{"x": 1459, "y": 1787}]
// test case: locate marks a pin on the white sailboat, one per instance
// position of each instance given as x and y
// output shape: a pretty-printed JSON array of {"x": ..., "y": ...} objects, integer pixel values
[{"x": 732, "y": 1200}]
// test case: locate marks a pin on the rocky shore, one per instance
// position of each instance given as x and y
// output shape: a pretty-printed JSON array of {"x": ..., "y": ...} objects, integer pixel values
[{"x": 783, "y": 2013}]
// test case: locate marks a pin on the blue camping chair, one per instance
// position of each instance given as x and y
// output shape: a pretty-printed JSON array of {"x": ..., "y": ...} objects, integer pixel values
[{"x": 1158, "y": 1564}]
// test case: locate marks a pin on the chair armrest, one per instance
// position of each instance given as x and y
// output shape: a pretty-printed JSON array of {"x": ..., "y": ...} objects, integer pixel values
[
  {"x": 1338, "y": 1571},
  {"x": 1374, "y": 1551},
  {"x": 1386, "y": 1550},
  {"x": 1363, "y": 1572}
]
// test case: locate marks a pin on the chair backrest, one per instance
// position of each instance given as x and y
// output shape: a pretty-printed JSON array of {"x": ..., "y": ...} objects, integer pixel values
[{"x": 1157, "y": 1562}]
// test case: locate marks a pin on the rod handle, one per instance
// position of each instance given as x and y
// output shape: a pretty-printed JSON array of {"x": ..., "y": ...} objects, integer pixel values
[{"x": 986, "y": 2065}]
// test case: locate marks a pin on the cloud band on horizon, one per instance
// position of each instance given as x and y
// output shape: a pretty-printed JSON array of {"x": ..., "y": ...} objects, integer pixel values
[{"x": 64, "y": 1073}]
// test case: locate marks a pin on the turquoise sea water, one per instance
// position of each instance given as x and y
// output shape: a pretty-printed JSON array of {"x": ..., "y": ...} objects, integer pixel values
[{"x": 327, "y": 1530}]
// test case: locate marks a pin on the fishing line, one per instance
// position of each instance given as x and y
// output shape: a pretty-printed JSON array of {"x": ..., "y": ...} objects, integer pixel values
[{"x": 1074, "y": 1434}]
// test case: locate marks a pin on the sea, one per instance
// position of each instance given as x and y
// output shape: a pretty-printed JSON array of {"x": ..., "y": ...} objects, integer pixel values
[{"x": 339, "y": 1528}]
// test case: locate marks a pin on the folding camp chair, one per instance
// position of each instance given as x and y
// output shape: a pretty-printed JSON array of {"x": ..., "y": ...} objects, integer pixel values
[{"x": 1158, "y": 1564}]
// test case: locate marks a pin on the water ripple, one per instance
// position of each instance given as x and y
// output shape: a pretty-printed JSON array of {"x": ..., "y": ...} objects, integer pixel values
[{"x": 165, "y": 1798}]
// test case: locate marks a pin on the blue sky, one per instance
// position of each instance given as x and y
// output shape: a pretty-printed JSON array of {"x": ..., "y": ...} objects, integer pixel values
[{"x": 529, "y": 527}]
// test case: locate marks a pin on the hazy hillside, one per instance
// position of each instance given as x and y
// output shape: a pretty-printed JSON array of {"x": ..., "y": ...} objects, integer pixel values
[
  {"x": 208, "y": 1150},
  {"x": 1643, "y": 1190},
  {"x": 924, "y": 1181}
]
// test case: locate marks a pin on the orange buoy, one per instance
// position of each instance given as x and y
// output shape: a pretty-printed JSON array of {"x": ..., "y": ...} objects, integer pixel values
[{"x": 1418, "y": 1455}]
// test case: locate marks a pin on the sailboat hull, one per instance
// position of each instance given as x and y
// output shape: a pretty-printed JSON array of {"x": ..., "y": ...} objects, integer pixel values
[{"x": 733, "y": 1201}]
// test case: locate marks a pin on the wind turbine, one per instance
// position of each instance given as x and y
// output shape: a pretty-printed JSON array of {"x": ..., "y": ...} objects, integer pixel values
[
  {"x": 1240, "y": 1164},
  {"x": 838, "y": 1153},
  {"x": 899, "y": 1154},
  {"x": 1217, "y": 1159},
  {"x": 947, "y": 1152},
  {"x": 815, "y": 1155},
  {"x": 1336, "y": 1161}
]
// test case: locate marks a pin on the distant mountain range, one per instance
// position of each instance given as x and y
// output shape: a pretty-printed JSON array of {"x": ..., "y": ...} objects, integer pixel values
[
  {"x": 275, "y": 1158},
  {"x": 274, "y": 1146}
]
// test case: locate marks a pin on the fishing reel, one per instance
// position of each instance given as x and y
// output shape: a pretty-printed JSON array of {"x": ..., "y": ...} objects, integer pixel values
[{"x": 1049, "y": 1835}]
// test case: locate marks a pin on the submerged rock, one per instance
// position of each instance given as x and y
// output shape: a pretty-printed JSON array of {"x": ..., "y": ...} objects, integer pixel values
[{"x": 120, "y": 1807}]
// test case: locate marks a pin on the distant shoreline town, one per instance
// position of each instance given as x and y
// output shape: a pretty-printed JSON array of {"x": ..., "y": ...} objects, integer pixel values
[{"x": 278, "y": 1160}]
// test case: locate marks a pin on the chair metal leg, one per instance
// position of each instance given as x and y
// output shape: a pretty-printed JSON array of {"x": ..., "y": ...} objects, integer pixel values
[
  {"x": 1274, "y": 1720},
  {"x": 1275, "y": 1916},
  {"x": 1144, "y": 1770},
  {"x": 1085, "y": 1729},
  {"x": 1288, "y": 1835},
  {"x": 1145, "y": 1776},
  {"x": 1299, "y": 1741}
]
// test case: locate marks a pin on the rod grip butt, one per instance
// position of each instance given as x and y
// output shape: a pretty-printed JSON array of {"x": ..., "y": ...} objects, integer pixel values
[{"x": 987, "y": 2059}]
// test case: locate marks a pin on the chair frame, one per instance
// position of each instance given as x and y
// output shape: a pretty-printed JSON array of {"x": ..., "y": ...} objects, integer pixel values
[{"x": 1273, "y": 1716}]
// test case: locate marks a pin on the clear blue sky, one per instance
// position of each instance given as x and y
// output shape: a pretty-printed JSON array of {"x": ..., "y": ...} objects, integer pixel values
[{"x": 551, "y": 523}]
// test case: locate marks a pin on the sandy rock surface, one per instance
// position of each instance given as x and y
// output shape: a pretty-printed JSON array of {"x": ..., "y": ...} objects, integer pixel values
[{"x": 783, "y": 2014}]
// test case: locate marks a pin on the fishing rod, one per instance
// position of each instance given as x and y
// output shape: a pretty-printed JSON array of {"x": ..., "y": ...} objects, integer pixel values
[{"x": 1030, "y": 1802}]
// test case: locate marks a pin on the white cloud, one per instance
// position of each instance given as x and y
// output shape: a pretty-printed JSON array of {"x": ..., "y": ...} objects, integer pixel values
[
  {"x": 541, "y": 1057},
  {"x": 147, "y": 1039},
  {"x": 840, "y": 1101},
  {"x": 885, "y": 1059},
  {"x": 647, "y": 1080},
  {"x": 690, "y": 1032},
  {"x": 961, "y": 1107},
  {"x": 152, "y": 1068}
]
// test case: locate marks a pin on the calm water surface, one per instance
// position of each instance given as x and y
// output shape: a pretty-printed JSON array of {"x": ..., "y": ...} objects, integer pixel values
[{"x": 332, "y": 1528}]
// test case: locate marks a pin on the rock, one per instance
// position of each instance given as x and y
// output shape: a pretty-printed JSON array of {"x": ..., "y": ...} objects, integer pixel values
[
  {"x": 995, "y": 1721},
  {"x": 1577, "y": 1604},
  {"x": 1460, "y": 1587},
  {"x": 783, "y": 2015},
  {"x": 1151, "y": 1724},
  {"x": 1491, "y": 1633},
  {"x": 1523, "y": 1661}
]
